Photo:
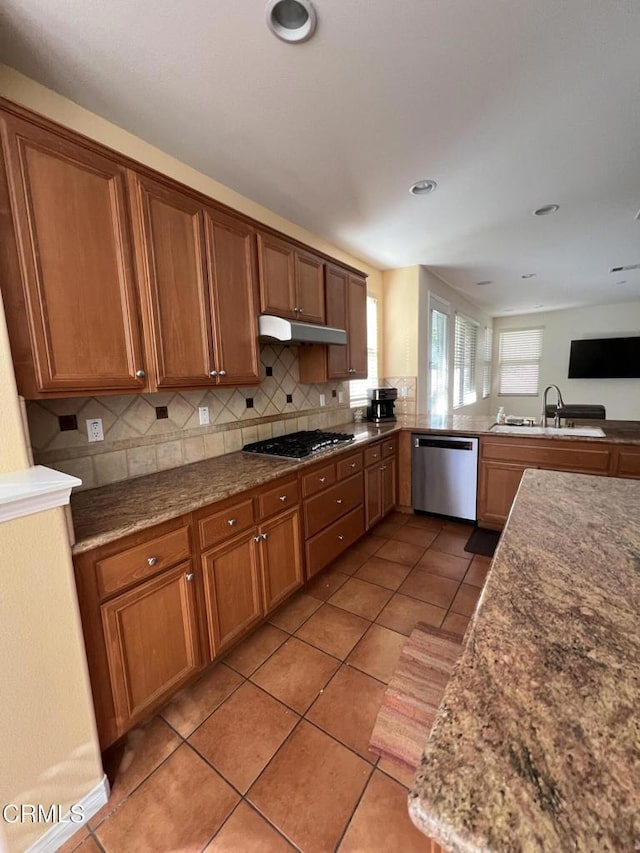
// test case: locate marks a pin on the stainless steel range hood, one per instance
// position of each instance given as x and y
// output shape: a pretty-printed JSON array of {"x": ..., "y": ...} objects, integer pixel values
[{"x": 292, "y": 331}]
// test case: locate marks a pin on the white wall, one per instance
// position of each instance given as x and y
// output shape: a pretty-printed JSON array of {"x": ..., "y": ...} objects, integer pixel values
[
  {"x": 430, "y": 283},
  {"x": 621, "y": 397}
]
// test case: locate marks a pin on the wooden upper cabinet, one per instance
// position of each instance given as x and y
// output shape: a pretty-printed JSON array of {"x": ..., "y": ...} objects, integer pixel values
[
  {"x": 172, "y": 263},
  {"x": 309, "y": 287},
  {"x": 276, "y": 260},
  {"x": 357, "y": 326},
  {"x": 337, "y": 282},
  {"x": 71, "y": 220},
  {"x": 232, "y": 264},
  {"x": 291, "y": 281}
]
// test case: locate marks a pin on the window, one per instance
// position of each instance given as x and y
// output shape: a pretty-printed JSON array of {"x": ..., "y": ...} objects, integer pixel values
[
  {"x": 359, "y": 388},
  {"x": 438, "y": 360},
  {"x": 464, "y": 361},
  {"x": 519, "y": 353},
  {"x": 486, "y": 362}
]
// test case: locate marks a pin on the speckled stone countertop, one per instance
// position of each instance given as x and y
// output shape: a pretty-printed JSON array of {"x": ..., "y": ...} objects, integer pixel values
[
  {"x": 536, "y": 746},
  {"x": 110, "y": 512}
]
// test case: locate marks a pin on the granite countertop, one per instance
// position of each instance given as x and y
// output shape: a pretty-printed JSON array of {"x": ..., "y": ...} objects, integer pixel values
[
  {"x": 536, "y": 745},
  {"x": 110, "y": 512}
]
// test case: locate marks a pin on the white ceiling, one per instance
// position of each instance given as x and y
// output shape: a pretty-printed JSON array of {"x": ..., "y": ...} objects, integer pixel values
[{"x": 508, "y": 104}]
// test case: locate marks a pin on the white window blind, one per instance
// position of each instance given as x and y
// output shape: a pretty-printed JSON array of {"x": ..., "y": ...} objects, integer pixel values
[
  {"x": 359, "y": 388},
  {"x": 519, "y": 354},
  {"x": 464, "y": 361},
  {"x": 486, "y": 362}
]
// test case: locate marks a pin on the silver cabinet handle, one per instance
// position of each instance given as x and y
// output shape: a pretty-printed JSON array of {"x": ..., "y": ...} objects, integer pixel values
[
  {"x": 189, "y": 576},
  {"x": 222, "y": 373},
  {"x": 322, "y": 479},
  {"x": 383, "y": 467},
  {"x": 140, "y": 374},
  {"x": 213, "y": 373},
  {"x": 257, "y": 538},
  {"x": 265, "y": 535},
  {"x": 283, "y": 498},
  {"x": 152, "y": 560},
  {"x": 338, "y": 500},
  {"x": 232, "y": 522},
  {"x": 353, "y": 464},
  {"x": 340, "y": 537}
]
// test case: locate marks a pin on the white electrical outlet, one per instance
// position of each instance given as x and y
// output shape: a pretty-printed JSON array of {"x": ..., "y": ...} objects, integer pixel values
[
  {"x": 94, "y": 429},
  {"x": 323, "y": 400},
  {"x": 340, "y": 396},
  {"x": 203, "y": 411}
]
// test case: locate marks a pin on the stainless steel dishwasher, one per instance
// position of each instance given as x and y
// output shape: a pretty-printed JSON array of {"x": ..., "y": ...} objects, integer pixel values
[{"x": 444, "y": 475}]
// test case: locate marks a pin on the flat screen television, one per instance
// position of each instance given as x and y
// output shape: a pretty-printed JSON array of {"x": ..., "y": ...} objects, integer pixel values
[{"x": 605, "y": 358}]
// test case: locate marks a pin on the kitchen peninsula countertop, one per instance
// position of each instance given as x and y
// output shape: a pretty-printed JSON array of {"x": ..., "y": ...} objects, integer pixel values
[
  {"x": 536, "y": 745},
  {"x": 107, "y": 513}
]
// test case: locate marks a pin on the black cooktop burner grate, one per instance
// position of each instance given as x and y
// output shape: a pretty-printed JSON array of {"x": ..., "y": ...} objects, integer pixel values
[{"x": 297, "y": 445}]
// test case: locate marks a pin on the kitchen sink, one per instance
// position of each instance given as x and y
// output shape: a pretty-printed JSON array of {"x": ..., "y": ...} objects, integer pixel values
[{"x": 585, "y": 432}]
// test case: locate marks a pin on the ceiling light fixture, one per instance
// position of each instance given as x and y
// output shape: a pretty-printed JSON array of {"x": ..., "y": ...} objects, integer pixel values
[
  {"x": 624, "y": 281},
  {"x": 291, "y": 20},
  {"x": 423, "y": 187},
  {"x": 546, "y": 209},
  {"x": 482, "y": 283},
  {"x": 528, "y": 275}
]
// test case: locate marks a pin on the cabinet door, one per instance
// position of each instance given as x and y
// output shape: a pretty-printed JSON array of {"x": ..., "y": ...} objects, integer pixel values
[
  {"x": 309, "y": 287},
  {"x": 388, "y": 485},
  {"x": 498, "y": 485},
  {"x": 357, "y": 328},
  {"x": 70, "y": 211},
  {"x": 372, "y": 495},
  {"x": 336, "y": 284},
  {"x": 628, "y": 463},
  {"x": 232, "y": 590},
  {"x": 151, "y": 635},
  {"x": 281, "y": 558},
  {"x": 173, "y": 274},
  {"x": 231, "y": 246},
  {"x": 276, "y": 263}
]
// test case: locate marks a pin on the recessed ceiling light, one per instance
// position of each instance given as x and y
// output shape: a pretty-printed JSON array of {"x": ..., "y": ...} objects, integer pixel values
[
  {"x": 538, "y": 306},
  {"x": 546, "y": 209},
  {"x": 506, "y": 310},
  {"x": 482, "y": 283},
  {"x": 624, "y": 281},
  {"x": 528, "y": 275},
  {"x": 423, "y": 187},
  {"x": 291, "y": 20}
]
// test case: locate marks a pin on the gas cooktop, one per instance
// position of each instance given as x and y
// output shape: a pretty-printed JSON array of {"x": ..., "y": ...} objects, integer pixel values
[{"x": 297, "y": 445}]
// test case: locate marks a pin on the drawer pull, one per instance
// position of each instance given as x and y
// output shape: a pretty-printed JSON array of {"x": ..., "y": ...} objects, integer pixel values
[
  {"x": 189, "y": 576},
  {"x": 283, "y": 498},
  {"x": 152, "y": 560},
  {"x": 258, "y": 538},
  {"x": 323, "y": 479},
  {"x": 265, "y": 535},
  {"x": 232, "y": 522},
  {"x": 338, "y": 500},
  {"x": 383, "y": 467},
  {"x": 340, "y": 537},
  {"x": 353, "y": 464}
]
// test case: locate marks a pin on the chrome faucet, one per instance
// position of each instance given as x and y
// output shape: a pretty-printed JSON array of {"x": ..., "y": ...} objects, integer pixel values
[{"x": 559, "y": 403}]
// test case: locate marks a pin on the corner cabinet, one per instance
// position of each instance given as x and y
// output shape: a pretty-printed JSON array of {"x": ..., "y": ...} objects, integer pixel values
[
  {"x": 380, "y": 480},
  {"x": 72, "y": 300},
  {"x": 291, "y": 280}
]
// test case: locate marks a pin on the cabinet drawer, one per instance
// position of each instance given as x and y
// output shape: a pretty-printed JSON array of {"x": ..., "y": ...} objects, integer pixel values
[
  {"x": 373, "y": 454},
  {"x": 323, "y": 548},
  {"x": 351, "y": 465},
  {"x": 227, "y": 522},
  {"x": 389, "y": 447},
  {"x": 553, "y": 453},
  {"x": 135, "y": 564},
  {"x": 279, "y": 498},
  {"x": 332, "y": 504},
  {"x": 318, "y": 480}
]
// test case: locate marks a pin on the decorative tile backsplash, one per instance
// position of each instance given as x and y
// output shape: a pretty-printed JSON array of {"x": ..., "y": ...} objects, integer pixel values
[
  {"x": 406, "y": 403},
  {"x": 137, "y": 441}
]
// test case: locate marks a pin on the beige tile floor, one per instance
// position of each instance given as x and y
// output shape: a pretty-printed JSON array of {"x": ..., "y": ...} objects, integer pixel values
[{"x": 268, "y": 750}]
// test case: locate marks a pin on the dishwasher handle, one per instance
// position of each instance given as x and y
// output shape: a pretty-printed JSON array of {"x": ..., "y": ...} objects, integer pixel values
[{"x": 446, "y": 443}]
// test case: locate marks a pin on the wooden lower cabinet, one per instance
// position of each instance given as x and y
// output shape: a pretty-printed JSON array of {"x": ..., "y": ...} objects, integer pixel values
[
  {"x": 627, "y": 462},
  {"x": 389, "y": 486},
  {"x": 380, "y": 482},
  {"x": 497, "y": 487},
  {"x": 372, "y": 495},
  {"x": 152, "y": 642},
  {"x": 232, "y": 590},
  {"x": 281, "y": 566}
]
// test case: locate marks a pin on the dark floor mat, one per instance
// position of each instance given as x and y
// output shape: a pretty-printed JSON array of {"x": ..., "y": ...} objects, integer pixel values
[{"x": 482, "y": 542}]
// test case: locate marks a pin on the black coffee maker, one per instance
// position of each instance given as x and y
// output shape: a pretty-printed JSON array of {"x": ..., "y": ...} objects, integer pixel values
[{"x": 381, "y": 404}]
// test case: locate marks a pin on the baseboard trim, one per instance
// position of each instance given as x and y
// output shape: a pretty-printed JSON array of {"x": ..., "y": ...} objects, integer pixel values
[{"x": 56, "y": 836}]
